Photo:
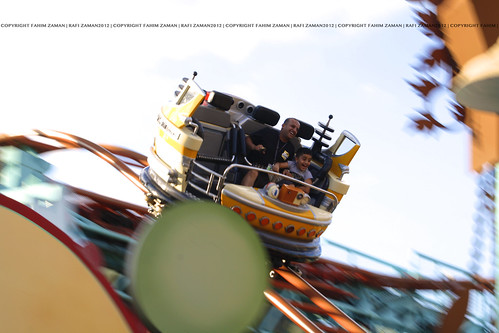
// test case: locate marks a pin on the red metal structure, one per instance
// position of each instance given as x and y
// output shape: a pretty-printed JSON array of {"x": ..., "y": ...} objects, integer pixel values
[{"x": 307, "y": 294}]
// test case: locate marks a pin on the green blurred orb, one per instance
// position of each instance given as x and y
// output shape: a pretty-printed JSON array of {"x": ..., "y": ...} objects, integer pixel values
[{"x": 199, "y": 268}]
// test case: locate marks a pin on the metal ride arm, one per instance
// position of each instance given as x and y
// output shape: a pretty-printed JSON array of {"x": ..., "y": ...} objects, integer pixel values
[
  {"x": 291, "y": 312},
  {"x": 320, "y": 300},
  {"x": 221, "y": 180},
  {"x": 95, "y": 149}
]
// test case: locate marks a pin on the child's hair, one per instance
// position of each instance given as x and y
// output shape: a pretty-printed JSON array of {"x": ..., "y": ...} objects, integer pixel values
[{"x": 303, "y": 151}]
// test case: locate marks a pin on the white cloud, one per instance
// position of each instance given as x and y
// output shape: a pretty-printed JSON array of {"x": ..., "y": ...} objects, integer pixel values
[{"x": 366, "y": 11}]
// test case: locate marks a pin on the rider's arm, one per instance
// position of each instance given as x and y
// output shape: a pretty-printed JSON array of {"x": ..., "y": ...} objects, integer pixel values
[
  {"x": 306, "y": 189},
  {"x": 280, "y": 165},
  {"x": 251, "y": 145}
]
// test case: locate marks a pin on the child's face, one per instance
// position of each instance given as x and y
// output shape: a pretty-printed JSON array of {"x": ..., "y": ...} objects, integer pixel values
[{"x": 303, "y": 161}]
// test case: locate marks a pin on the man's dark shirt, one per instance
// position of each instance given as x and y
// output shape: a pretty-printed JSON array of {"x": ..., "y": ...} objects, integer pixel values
[{"x": 276, "y": 151}]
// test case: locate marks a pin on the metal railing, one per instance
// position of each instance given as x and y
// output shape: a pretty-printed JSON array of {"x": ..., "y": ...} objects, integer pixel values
[
  {"x": 219, "y": 180},
  {"x": 208, "y": 181}
]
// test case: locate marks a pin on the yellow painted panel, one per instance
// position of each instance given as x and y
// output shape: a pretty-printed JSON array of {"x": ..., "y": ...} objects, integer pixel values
[
  {"x": 182, "y": 149},
  {"x": 314, "y": 214}
]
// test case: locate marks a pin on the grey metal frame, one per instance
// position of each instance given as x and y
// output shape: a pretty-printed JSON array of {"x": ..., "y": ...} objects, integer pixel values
[{"x": 223, "y": 177}]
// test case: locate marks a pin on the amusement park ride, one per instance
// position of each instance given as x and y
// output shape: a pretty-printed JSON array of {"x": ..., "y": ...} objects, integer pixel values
[{"x": 207, "y": 248}]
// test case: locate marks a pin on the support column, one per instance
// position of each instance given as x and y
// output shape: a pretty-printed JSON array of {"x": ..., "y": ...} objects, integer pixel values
[{"x": 496, "y": 238}]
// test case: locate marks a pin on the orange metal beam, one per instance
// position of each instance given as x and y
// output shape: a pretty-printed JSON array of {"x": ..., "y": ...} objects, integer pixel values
[
  {"x": 325, "y": 288},
  {"x": 320, "y": 300},
  {"x": 73, "y": 141},
  {"x": 291, "y": 312},
  {"x": 335, "y": 271},
  {"x": 105, "y": 154}
]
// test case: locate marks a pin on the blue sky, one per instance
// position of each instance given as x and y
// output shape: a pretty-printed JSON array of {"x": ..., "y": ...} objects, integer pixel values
[{"x": 409, "y": 191}]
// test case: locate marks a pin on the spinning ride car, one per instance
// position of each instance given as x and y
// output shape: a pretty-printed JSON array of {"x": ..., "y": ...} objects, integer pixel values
[{"x": 199, "y": 152}]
